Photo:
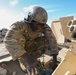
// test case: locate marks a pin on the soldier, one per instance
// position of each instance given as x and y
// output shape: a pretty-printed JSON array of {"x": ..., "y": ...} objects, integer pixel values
[{"x": 28, "y": 39}]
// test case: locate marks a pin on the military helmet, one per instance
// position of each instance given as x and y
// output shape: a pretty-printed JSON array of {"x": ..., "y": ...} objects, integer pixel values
[{"x": 37, "y": 14}]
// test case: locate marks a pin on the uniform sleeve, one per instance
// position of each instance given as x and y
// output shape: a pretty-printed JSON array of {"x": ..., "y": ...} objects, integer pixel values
[
  {"x": 52, "y": 40},
  {"x": 15, "y": 41}
]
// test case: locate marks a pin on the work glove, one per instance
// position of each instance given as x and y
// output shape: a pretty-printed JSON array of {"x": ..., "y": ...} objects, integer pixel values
[
  {"x": 54, "y": 62},
  {"x": 29, "y": 65}
]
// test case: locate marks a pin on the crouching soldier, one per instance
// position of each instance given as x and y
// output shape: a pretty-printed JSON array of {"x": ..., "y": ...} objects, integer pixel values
[{"x": 29, "y": 39}]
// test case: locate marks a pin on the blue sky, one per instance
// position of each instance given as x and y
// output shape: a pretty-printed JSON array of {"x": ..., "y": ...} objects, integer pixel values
[{"x": 15, "y": 10}]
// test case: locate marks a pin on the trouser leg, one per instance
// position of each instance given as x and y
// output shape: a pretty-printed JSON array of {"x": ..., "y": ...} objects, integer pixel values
[{"x": 12, "y": 68}]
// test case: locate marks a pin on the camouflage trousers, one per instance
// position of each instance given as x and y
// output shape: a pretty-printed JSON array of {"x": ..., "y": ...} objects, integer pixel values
[{"x": 11, "y": 68}]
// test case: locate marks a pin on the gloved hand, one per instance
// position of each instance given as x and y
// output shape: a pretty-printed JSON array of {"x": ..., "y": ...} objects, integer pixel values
[
  {"x": 31, "y": 65},
  {"x": 32, "y": 68},
  {"x": 54, "y": 62}
]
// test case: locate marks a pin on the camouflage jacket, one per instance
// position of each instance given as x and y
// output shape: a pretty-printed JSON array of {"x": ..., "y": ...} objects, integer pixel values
[{"x": 18, "y": 35}]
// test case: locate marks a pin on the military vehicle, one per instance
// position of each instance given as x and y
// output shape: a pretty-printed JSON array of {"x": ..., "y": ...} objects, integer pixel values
[{"x": 67, "y": 66}]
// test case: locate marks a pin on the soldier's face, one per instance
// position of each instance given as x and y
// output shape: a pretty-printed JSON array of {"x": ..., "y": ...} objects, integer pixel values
[{"x": 36, "y": 27}]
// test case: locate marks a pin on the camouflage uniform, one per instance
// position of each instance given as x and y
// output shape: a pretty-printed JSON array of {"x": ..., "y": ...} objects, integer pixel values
[{"x": 21, "y": 39}]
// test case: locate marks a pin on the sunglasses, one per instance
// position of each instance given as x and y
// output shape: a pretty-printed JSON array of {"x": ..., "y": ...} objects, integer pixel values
[{"x": 37, "y": 23}]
